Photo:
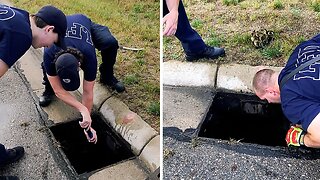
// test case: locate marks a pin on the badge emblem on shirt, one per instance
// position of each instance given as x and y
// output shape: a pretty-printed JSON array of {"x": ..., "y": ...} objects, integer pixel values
[{"x": 66, "y": 80}]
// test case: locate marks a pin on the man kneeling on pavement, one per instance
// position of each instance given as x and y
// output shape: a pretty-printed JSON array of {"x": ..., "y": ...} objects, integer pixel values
[{"x": 299, "y": 95}]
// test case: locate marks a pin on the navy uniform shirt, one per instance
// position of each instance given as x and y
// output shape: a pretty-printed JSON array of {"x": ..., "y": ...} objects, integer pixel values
[
  {"x": 15, "y": 34},
  {"x": 78, "y": 36},
  {"x": 300, "y": 95}
]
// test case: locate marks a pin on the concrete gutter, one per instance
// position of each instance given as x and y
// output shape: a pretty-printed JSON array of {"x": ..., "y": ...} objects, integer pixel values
[{"x": 144, "y": 140}]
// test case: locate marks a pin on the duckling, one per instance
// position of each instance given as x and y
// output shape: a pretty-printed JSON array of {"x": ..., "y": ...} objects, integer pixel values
[{"x": 261, "y": 38}]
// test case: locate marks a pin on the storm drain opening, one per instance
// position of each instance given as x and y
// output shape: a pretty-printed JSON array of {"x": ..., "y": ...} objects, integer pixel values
[
  {"x": 86, "y": 157},
  {"x": 244, "y": 118}
]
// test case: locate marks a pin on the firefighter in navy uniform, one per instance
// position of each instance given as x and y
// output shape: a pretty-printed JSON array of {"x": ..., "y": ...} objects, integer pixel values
[
  {"x": 18, "y": 31},
  {"x": 60, "y": 67}
]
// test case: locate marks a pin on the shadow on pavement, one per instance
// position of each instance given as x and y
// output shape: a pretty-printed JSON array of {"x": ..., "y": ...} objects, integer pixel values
[{"x": 188, "y": 135}]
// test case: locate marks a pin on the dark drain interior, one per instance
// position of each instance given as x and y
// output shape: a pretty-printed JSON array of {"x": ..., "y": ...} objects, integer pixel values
[
  {"x": 85, "y": 156},
  {"x": 244, "y": 118}
]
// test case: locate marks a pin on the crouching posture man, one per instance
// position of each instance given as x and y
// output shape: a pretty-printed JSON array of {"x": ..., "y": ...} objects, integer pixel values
[
  {"x": 299, "y": 95},
  {"x": 63, "y": 75},
  {"x": 85, "y": 35}
]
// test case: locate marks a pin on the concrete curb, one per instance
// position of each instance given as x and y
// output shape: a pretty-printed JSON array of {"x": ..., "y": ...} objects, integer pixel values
[
  {"x": 177, "y": 73},
  {"x": 127, "y": 123},
  {"x": 132, "y": 128},
  {"x": 234, "y": 77},
  {"x": 146, "y": 155}
]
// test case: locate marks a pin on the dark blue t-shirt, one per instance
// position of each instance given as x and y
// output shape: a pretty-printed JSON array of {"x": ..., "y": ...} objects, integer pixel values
[
  {"x": 15, "y": 34},
  {"x": 300, "y": 95},
  {"x": 78, "y": 36}
]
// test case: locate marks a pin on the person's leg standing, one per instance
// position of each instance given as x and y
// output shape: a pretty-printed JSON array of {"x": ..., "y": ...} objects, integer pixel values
[
  {"x": 108, "y": 45},
  {"x": 192, "y": 43},
  {"x": 190, "y": 39}
]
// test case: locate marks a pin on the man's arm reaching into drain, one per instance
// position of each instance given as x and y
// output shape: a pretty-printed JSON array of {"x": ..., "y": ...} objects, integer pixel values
[{"x": 84, "y": 108}]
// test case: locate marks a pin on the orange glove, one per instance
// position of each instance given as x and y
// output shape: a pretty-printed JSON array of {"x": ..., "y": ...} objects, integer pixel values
[{"x": 295, "y": 136}]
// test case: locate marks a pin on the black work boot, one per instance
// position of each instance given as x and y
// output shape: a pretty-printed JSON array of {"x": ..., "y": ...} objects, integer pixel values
[
  {"x": 14, "y": 155},
  {"x": 9, "y": 178},
  {"x": 208, "y": 53},
  {"x": 46, "y": 97},
  {"x": 113, "y": 84}
]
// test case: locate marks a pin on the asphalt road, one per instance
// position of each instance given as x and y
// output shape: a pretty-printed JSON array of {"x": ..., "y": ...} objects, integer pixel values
[
  {"x": 185, "y": 158},
  {"x": 21, "y": 125}
]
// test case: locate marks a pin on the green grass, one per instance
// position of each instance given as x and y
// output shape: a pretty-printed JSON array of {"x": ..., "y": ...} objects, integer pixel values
[
  {"x": 167, "y": 40},
  {"x": 154, "y": 108},
  {"x": 134, "y": 23},
  {"x": 300, "y": 39},
  {"x": 138, "y": 8},
  {"x": 140, "y": 63},
  {"x": 246, "y": 5},
  {"x": 151, "y": 88},
  {"x": 288, "y": 45},
  {"x": 315, "y": 6},
  {"x": 241, "y": 39},
  {"x": 214, "y": 40},
  {"x": 278, "y": 4},
  {"x": 231, "y": 2},
  {"x": 197, "y": 23},
  {"x": 229, "y": 24},
  {"x": 131, "y": 79},
  {"x": 295, "y": 12},
  {"x": 272, "y": 51}
]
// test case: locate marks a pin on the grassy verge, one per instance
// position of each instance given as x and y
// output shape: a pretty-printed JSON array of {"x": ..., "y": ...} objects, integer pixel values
[
  {"x": 229, "y": 23},
  {"x": 135, "y": 24}
]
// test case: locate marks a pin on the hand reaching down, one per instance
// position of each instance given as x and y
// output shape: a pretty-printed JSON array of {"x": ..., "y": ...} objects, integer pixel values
[
  {"x": 86, "y": 120},
  {"x": 91, "y": 135}
]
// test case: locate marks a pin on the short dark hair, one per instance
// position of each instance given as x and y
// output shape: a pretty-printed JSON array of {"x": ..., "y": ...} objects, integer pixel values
[
  {"x": 40, "y": 23},
  {"x": 75, "y": 52},
  {"x": 262, "y": 79}
]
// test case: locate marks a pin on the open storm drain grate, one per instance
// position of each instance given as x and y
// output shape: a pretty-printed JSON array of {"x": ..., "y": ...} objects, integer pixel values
[
  {"x": 85, "y": 156},
  {"x": 244, "y": 118}
]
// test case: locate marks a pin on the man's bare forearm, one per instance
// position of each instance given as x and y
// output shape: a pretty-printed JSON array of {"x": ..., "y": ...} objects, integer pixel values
[
  {"x": 172, "y": 4},
  {"x": 87, "y": 95}
]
